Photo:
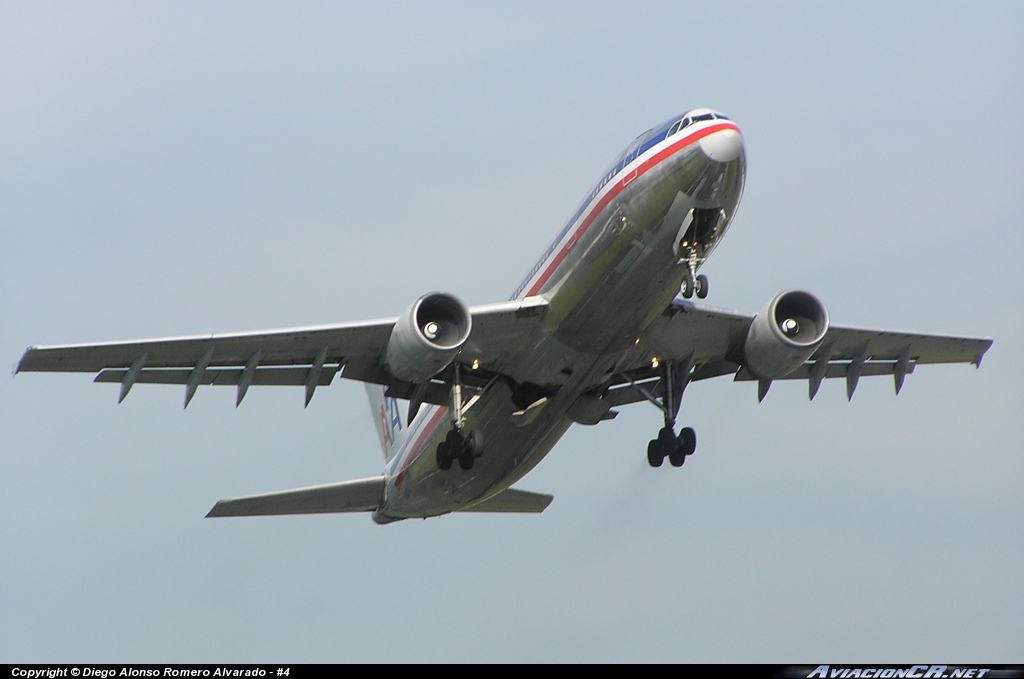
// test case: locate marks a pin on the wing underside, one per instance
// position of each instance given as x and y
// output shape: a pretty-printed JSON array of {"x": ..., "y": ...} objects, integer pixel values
[
  {"x": 307, "y": 356},
  {"x": 705, "y": 342},
  {"x": 702, "y": 342}
]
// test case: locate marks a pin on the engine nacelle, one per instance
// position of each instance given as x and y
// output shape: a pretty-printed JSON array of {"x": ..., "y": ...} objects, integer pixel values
[
  {"x": 427, "y": 337},
  {"x": 785, "y": 333}
]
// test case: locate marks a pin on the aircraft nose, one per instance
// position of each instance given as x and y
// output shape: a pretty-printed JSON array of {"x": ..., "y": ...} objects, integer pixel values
[{"x": 723, "y": 146}]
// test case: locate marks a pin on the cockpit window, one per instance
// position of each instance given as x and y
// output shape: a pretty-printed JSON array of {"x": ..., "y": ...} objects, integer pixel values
[
  {"x": 677, "y": 126},
  {"x": 681, "y": 125}
]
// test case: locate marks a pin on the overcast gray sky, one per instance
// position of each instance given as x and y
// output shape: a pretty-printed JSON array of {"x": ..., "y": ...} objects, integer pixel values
[{"x": 184, "y": 168}]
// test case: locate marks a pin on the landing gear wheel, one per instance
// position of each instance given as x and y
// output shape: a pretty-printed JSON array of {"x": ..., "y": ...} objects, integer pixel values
[
  {"x": 470, "y": 447},
  {"x": 454, "y": 441},
  {"x": 676, "y": 456},
  {"x": 688, "y": 441},
  {"x": 449, "y": 449},
  {"x": 475, "y": 443},
  {"x": 686, "y": 289},
  {"x": 660, "y": 448},
  {"x": 701, "y": 286},
  {"x": 444, "y": 460},
  {"x": 655, "y": 456}
]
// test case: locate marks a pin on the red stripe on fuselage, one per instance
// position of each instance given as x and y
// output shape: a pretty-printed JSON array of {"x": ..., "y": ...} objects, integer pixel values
[
  {"x": 616, "y": 189},
  {"x": 414, "y": 452},
  {"x": 602, "y": 203}
]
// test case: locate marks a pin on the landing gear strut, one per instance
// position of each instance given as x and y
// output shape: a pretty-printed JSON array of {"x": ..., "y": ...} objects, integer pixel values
[
  {"x": 458, "y": 444},
  {"x": 691, "y": 282},
  {"x": 668, "y": 444}
]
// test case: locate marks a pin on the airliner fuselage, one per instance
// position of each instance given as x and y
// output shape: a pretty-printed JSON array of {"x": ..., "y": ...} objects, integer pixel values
[{"x": 651, "y": 220}]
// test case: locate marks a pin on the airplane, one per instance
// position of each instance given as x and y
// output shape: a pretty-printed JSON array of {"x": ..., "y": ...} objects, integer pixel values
[{"x": 605, "y": 318}]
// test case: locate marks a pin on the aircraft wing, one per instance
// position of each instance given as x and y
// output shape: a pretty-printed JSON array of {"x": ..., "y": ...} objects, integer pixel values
[
  {"x": 306, "y": 356},
  {"x": 708, "y": 342}
]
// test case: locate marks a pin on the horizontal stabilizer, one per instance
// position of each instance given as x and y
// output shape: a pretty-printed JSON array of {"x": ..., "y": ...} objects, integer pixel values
[
  {"x": 361, "y": 495},
  {"x": 515, "y": 501}
]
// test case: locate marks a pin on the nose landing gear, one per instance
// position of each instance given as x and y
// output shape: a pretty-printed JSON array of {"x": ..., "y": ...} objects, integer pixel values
[{"x": 692, "y": 283}]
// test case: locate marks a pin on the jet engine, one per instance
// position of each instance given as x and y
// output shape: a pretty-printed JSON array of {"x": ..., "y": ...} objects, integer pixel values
[
  {"x": 785, "y": 333},
  {"x": 427, "y": 337}
]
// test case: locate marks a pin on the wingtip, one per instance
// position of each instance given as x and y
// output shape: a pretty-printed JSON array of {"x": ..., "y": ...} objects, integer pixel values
[{"x": 21, "y": 361}]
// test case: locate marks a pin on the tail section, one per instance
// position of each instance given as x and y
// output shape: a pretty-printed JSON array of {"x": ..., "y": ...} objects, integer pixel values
[
  {"x": 361, "y": 495},
  {"x": 389, "y": 416}
]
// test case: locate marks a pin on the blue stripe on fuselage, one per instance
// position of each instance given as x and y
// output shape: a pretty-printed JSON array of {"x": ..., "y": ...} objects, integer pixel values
[{"x": 648, "y": 140}]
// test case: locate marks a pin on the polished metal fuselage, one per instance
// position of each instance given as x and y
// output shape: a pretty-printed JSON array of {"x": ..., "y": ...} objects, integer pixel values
[{"x": 613, "y": 271}]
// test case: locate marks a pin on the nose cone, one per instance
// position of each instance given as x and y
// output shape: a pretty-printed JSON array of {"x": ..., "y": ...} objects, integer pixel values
[{"x": 723, "y": 146}]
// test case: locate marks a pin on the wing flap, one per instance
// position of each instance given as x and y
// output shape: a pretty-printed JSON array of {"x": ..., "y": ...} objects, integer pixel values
[
  {"x": 834, "y": 370},
  {"x": 267, "y": 376},
  {"x": 847, "y": 343},
  {"x": 361, "y": 495}
]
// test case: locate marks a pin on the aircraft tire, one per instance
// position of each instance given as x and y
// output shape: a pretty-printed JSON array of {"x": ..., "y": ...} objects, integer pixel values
[
  {"x": 655, "y": 456},
  {"x": 687, "y": 441},
  {"x": 677, "y": 456},
  {"x": 475, "y": 443},
  {"x": 444, "y": 460},
  {"x": 701, "y": 286},
  {"x": 466, "y": 461},
  {"x": 686, "y": 289}
]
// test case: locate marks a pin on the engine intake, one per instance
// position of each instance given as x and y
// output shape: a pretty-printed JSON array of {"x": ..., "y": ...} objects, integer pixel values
[
  {"x": 785, "y": 333},
  {"x": 427, "y": 337}
]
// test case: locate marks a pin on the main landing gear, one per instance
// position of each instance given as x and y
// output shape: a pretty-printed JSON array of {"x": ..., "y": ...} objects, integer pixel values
[
  {"x": 458, "y": 444},
  {"x": 667, "y": 444},
  {"x": 675, "y": 448}
]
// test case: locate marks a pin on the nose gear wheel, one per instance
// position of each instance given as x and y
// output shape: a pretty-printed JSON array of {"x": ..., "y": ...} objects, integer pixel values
[{"x": 692, "y": 282}]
